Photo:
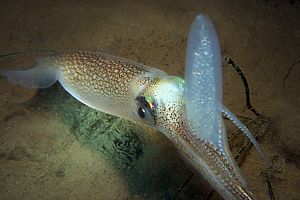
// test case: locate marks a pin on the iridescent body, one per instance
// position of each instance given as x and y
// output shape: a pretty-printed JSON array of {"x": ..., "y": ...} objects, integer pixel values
[{"x": 149, "y": 96}]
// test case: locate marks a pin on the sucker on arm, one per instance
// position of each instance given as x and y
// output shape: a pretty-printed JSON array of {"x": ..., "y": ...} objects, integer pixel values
[{"x": 188, "y": 111}]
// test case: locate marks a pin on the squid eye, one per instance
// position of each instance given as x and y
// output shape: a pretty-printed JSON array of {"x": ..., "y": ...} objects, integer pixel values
[
  {"x": 141, "y": 112},
  {"x": 144, "y": 111}
]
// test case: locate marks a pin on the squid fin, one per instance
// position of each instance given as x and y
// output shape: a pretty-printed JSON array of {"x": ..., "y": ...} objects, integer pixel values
[{"x": 40, "y": 76}]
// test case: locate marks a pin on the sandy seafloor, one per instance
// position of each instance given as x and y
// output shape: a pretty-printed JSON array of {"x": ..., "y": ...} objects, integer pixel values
[{"x": 53, "y": 147}]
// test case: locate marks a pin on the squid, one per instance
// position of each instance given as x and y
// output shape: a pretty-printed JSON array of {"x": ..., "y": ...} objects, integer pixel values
[{"x": 187, "y": 111}]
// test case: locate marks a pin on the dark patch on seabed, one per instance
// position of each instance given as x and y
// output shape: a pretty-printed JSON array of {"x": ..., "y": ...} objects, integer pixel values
[{"x": 113, "y": 137}]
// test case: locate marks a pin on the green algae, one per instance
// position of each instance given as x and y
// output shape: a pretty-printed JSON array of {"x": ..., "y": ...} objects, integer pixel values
[{"x": 118, "y": 139}]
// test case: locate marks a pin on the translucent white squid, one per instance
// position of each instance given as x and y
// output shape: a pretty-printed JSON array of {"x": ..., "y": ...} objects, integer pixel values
[{"x": 188, "y": 112}]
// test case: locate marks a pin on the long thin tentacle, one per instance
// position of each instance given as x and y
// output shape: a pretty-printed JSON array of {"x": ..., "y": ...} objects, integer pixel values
[{"x": 246, "y": 131}]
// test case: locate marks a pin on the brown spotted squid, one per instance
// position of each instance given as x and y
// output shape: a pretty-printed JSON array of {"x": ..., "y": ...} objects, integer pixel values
[{"x": 187, "y": 111}]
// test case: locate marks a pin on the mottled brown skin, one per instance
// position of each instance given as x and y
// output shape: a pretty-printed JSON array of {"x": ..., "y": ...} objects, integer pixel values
[
  {"x": 102, "y": 81},
  {"x": 99, "y": 73}
]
